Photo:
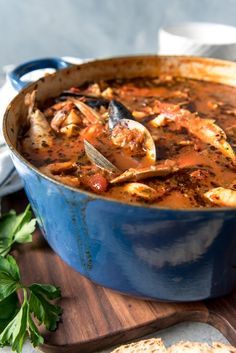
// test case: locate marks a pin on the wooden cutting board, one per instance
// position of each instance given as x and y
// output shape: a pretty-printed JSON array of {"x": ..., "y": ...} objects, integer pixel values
[{"x": 95, "y": 317}]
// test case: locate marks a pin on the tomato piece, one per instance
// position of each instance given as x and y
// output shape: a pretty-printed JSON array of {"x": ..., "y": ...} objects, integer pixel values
[{"x": 97, "y": 182}]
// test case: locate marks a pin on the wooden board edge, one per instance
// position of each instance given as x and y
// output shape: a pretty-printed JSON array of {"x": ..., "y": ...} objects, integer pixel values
[
  {"x": 125, "y": 336},
  {"x": 223, "y": 325}
]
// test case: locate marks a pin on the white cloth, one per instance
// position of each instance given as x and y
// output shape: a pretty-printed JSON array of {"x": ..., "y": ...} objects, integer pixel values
[{"x": 9, "y": 179}]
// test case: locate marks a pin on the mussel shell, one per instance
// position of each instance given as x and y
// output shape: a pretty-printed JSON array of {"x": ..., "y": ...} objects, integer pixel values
[
  {"x": 92, "y": 102},
  {"x": 97, "y": 103},
  {"x": 76, "y": 94},
  {"x": 116, "y": 112}
]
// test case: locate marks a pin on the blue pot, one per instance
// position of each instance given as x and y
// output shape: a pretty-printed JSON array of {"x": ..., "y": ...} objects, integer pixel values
[{"x": 150, "y": 252}]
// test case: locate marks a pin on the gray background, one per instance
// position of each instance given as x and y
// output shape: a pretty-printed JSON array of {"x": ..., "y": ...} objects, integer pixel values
[
  {"x": 100, "y": 28},
  {"x": 96, "y": 28}
]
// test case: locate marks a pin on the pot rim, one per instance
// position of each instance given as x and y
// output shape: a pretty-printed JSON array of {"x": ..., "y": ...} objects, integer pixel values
[{"x": 97, "y": 196}]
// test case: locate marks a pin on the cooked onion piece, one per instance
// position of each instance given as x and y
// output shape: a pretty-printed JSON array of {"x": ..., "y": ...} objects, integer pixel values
[
  {"x": 222, "y": 197},
  {"x": 142, "y": 191}
]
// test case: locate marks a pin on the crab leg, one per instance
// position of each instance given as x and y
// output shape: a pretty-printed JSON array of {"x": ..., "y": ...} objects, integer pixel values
[
  {"x": 204, "y": 129},
  {"x": 207, "y": 131},
  {"x": 144, "y": 173}
]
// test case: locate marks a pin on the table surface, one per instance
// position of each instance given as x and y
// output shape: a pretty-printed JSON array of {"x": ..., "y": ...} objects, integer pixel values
[{"x": 185, "y": 331}]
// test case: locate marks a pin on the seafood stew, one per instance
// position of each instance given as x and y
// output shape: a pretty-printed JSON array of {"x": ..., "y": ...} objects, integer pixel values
[{"x": 168, "y": 141}]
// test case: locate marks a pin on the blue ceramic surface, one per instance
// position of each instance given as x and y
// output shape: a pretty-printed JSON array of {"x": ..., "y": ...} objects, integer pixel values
[
  {"x": 154, "y": 253},
  {"x": 166, "y": 254}
]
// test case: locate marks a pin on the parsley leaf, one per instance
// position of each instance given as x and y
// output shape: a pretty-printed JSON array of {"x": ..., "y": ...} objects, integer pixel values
[
  {"x": 9, "y": 276},
  {"x": 19, "y": 328},
  {"x": 43, "y": 310},
  {"x": 15, "y": 332},
  {"x": 34, "y": 335},
  {"x": 47, "y": 290},
  {"x": 8, "y": 309},
  {"x": 36, "y": 307},
  {"x": 15, "y": 229},
  {"x": 19, "y": 321}
]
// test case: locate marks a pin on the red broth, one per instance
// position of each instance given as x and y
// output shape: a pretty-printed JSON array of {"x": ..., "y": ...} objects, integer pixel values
[{"x": 192, "y": 125}]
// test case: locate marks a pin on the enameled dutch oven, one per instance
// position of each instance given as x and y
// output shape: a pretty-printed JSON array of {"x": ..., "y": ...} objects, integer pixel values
[{"x": 146, "y": 251}]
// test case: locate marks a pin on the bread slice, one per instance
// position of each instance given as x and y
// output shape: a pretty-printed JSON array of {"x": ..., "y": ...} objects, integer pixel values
[
  {"x": 197, "y": 347},
  {"x": 222, "y": 348},
  {"x": 152, "y": 345},
  {"x": 156, "y": 345},
  {"x": 190, "y": 347}
]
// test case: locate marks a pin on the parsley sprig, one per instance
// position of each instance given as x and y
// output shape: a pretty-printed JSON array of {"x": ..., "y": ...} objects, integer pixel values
[
  {"x": 15, "y": 229},
  {"x": 18, "y": 320}
]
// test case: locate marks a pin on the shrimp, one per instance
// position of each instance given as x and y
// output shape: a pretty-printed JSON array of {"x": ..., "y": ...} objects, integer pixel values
[
  {"x": 204, "y": 129},
  {"x": 60, "y": 171},
  {"x": 222, "y": 197},
  {"x": 67, "y": 123},
  {"x": 90, "y": 114},
  {"x": 57, "y": 168},
  {"x": 58, "y": 120}
]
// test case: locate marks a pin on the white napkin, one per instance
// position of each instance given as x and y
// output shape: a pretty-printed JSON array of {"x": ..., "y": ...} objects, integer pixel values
[{"x": 9, "y": 179}]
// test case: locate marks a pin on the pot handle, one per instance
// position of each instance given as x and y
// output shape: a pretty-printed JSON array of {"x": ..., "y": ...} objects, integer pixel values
[{"x": 16, "y": 74}]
